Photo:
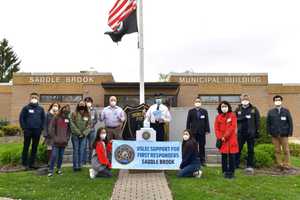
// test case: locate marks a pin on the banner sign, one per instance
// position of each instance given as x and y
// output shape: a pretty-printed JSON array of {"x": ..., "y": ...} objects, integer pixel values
[{"x": 146, "y": 155}]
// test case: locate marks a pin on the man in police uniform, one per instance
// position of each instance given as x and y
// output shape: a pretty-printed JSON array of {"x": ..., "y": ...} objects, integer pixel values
[
  {"x": 248, "y": 119},
  {"x": 157, "y": 115},
  {"x": 198, "y": 123}
]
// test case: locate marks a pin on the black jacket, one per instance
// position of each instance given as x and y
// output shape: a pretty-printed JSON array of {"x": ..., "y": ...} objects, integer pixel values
[
  {"x": 248, "y": 120},
  {"x": 189, "y": 153},
  {"x": 198, "y": 125},
  {"x": 32, "y": 116},
  {"x": 280, "y": 124}
]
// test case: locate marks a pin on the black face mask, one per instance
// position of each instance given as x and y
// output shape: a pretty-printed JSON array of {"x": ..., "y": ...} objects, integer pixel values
[{"x": 81, "y": 107}]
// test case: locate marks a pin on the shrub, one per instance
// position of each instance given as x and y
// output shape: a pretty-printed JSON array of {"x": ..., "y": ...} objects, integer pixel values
[
  {"x": 294, "y": 149},
  {"x": 3, "y": 122},
  {"x": 1, "y": 133},
  {"x": 269, "y": 148},
  {"x": 42, "y": 153},
  {"x": 264, "y": 137},
  {"x": 11, "y": 130},
  {"x": 263, "y": 155},
  {"x": 263, "y": 159},
  {"x": 10, "y": 154}
]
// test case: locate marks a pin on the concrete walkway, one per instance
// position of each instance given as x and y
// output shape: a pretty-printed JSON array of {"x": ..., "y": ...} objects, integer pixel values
[{"x": 141, "y": 186}]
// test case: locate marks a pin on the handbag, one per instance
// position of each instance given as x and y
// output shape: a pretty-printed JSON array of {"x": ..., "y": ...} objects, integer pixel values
[{"x": 218, "y": 143}]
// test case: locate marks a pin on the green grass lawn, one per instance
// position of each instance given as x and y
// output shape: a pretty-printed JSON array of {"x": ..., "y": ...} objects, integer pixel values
[
  {"x": 28, "y": 185},
  {"x": 214, "y": 186}
]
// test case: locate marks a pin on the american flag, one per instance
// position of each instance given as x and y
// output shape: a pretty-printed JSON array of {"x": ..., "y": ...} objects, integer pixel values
[{"x": 119, "y": 12}]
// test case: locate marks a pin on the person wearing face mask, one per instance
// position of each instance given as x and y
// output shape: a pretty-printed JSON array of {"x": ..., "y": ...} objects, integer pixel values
[
  {"x": 80, "y": 124},
  {"x": 32, "y": 119},
  {"x": 280, "y": 127},
  {"x": 157, "y": 115},
  {"x": 101, "y": 159},
  {"x": 248, "y": 119},
  {"x": 59, "y": 130},
  {"x": 226, "y": 134},
  {"x": 113, "y": 117},
  {"x": 198, "y": 122},
  {"x": 92, "y": 135},
  {"x": 190, "y": 165},
  {"x": 52, "y": 111}
]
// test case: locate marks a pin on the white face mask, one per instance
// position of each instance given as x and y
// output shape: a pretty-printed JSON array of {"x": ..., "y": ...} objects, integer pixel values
[
  {"x": 245, "y": 102},
  {"x": 55, "y": 108},
  {"x": 113, "y": 103},
  {"x": 224, "y": 109},
  {"x": 198, "y": 104},
  {"x": 34, "y": 101},
  {"x": 278, "y": 103},
  {"x": 103, "y": 136},
  {"x": 89, "y": 104},
  {"x": 185, "y": 137},
  {"x": 158, "y": 101}
]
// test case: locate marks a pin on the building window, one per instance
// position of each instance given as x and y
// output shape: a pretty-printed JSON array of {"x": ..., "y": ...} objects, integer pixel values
[
  {"x": 134, "y": 100},
  {"x": 231, "y": 99},
  {"x": 64, "y": 98},
  {"x": 209, "y": 99},
  {"x": 213, "y": 99}
]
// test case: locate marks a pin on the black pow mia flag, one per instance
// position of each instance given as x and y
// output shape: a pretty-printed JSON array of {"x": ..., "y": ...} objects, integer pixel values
[{"x": 127, "y": 26}]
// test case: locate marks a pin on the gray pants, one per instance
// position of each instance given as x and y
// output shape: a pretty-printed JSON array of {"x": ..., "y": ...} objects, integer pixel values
[{"x": 102, "y": 170}]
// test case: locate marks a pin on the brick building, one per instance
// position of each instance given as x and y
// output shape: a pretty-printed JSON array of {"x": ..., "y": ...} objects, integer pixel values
[{"x": 180, "y": 90}]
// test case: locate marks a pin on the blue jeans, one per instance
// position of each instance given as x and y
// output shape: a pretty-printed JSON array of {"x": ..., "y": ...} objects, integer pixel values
[
  {"x": 57, "y": 154},
  {"x": 79, "y": 145},
  {"x": 89, "y": 146},
  {"x": 188, "y": 170}
]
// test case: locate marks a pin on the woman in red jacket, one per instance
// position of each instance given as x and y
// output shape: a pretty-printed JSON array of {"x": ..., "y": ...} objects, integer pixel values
[
  {"x": 101, "y": 159},
  {"x": 226, "y": 134}
]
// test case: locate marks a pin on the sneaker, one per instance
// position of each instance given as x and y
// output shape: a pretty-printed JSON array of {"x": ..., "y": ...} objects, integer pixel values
[
  {"x": 92, "y": 173},
  {"x": 50, "y": 174},
  {"x": 59, "y": 172},
  {"x": 197, "y": 174},
  {"x": 249, "y": 170}
]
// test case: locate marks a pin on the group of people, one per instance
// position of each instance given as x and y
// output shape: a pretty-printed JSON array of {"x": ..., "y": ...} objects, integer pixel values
[
  {"x": 233, "y": 129},
  {"x": 59, "y": 125}
]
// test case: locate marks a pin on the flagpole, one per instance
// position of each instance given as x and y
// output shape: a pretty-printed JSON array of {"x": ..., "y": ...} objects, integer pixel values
[{"x": 141, "y": 48}]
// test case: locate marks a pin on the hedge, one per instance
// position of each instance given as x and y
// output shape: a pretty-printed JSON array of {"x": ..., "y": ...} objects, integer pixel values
[
  {"x": 11, "y": 130},
  {"x": 1, "y": 133},
  {"x": 10, "y": 154},
  {"x": 294, "y": 149},
  {"x": 263, "y": 155},
  {"x": 3, "y": 122},
  {"x": 264, "y": 137}
]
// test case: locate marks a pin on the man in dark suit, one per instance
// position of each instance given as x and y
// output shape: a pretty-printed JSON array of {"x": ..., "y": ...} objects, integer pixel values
[
  {"x": 280, "y": 127},
  {"x": 198, "y": 123},
  {"x": 32, "y": 119}
]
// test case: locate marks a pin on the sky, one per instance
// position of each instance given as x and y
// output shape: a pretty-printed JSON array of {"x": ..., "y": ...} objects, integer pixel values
[{"x": 217, "y": 36}]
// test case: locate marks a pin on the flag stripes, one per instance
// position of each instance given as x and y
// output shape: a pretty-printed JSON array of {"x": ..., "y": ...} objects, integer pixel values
[{"x": 120, "y": 11}]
